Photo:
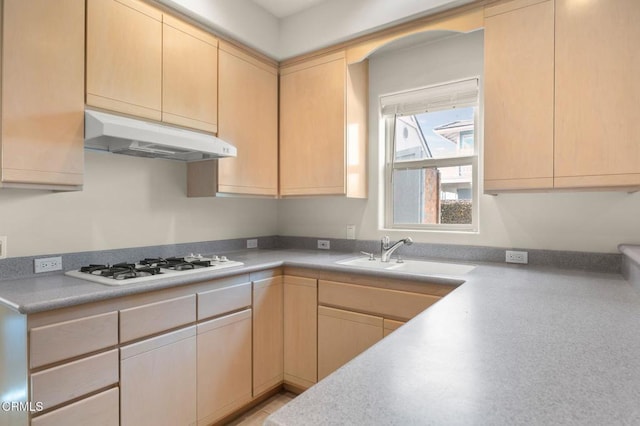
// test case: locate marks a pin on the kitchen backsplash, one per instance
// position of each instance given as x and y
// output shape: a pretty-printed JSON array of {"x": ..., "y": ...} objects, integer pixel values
[
  {"x": 18, "y": 267},
  {"x": 595, "y": 262}
]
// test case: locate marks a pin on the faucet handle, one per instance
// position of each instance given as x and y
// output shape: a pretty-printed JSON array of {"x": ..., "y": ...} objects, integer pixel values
[
  {"x": 371, "y": 256},
  {"x": 385, "y": 241}
]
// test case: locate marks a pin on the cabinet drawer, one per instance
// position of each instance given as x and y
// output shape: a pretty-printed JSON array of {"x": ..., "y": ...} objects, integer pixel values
[
  {"x": 68, "y": 381},
  {"x": 99, "y": 410},
  {"x": 387, "y": 303},
  {"x": 222, "y": 300},
  {"x": 68, "y": 339},
  {"x": 156, "y": 317},
  {"x": 390, "y": 326}
]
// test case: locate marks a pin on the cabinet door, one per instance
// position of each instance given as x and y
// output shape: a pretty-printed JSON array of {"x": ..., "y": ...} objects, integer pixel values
[
  {"x": 189, "y": 76},
  {"x": 518, "y": 100},
  {"x": 300, "y": 331},
  {"x": 343, "y": 335},
  {"x": 42, "y": 139},
  {"x": 267, "y": 334},
  {"x": 248, "y": 119},
  {"x": 597, "y": 92},
  {"x": 158, "y": 380},
  {"x": 224, "y": 366},
  {"x": 124, "y": 57},
  {"x": 312, "y": 127}
]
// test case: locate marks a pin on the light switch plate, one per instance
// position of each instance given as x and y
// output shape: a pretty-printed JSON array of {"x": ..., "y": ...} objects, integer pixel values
[
  {"x": 351, "y": 232},
  {"x": 3, "y": 247}
]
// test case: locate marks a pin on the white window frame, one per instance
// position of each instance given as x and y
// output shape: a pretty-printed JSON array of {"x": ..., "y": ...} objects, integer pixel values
[{"x": 410, "y": 103}]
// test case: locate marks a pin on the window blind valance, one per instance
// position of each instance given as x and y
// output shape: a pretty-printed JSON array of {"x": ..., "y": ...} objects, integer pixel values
[{"x": 444, "y": 96}]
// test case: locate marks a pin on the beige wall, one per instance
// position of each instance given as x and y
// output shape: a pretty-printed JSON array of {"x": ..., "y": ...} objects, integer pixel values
[
  {"x": 585, "y": 221},
  {"x": 126, "y": 202}
]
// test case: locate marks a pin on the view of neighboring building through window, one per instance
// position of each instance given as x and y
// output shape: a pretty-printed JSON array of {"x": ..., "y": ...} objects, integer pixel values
[{"x": 433, "y": 166}]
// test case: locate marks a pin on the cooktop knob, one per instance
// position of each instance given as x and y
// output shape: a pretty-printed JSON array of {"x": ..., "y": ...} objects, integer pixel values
[
  {"x": 215, "y": 258},
  {"x": 223, "y": 258}
]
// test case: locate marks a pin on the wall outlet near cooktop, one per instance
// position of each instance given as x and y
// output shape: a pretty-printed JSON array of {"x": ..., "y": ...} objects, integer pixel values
[
  {"x": 47, "y": 264},
  {"x": 517, "y": 256},
  {"x": 252, "y": 243}
]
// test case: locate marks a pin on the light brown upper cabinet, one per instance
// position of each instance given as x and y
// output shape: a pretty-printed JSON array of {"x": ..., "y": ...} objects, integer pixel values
[
  {"x": 189, "y": 76},
  {"x": 561, "y": 101},
  {"x": 518, "y": 87},
  {"x": 323, "y": 127},
  {"x": 597, "y": 94},
  {"x": 42, "y": 90},
  {"x": 124, "y": 57},
  {"x": 151, "y": 65},
  {"x": 248, "y": 119}
]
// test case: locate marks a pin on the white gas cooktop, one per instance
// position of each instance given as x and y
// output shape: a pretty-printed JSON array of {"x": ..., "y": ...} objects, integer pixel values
[{"x": 151, "y": 269}]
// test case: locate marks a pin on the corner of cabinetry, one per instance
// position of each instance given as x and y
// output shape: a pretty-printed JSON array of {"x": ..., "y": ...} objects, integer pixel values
[
  {"x": 202, "y": 178},
  {"x": 357, "y": 108}
]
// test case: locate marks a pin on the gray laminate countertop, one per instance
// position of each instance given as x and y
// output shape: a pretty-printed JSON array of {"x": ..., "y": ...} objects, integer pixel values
[
  {"x": 54, "y": 291},
  {"x": 512, "y": 345}
]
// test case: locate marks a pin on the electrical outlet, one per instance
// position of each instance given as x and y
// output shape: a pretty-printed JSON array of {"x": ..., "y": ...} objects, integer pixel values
[
  {"x": 351, "y": 232},
  {"x": 47, "y": 264},
  {"x": 252, "y": 243},
  {"x": 3, "y": 247},
  {"x": 517, "y": 257},
  {"x": 324, "y": 244}
]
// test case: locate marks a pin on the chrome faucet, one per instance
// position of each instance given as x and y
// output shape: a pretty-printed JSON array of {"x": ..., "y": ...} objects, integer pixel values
[{"x": 387, "y": 249}]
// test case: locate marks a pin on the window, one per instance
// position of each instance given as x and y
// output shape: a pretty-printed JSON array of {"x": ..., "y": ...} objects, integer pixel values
[{"x": 431, "y": 164}]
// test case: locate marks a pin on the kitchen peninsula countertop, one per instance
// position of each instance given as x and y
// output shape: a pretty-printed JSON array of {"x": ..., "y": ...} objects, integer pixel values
[{"x": 512, "y": 345}]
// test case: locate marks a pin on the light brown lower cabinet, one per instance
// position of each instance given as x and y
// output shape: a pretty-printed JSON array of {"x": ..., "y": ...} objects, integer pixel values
[
  {"x": 402, "y": 305},
  {"x": 390, "y": 326},
  {"x": 150, "y": 359},
  {"x": 268, "y": 339},
  {"x": 158, "y": 380},
  {"x": 300, "y": 331},
  {"x": 74, "y": 379},
  {"x": 224, "y": 366},
  {"x": 343, "y": 335},
  {"x": 97, "y": 410}
]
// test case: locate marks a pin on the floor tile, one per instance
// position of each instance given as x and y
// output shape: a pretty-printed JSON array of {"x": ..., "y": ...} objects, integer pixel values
[{"x": 257, "y": 415}]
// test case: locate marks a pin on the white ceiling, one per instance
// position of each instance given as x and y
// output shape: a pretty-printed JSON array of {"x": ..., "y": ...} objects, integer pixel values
[
  {"x": 285, "y": 28},
  {"x": 283, "y": 8}
]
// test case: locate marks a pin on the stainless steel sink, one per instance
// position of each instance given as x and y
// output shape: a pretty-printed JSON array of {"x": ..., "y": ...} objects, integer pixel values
[{"x": 410, "y": 266}]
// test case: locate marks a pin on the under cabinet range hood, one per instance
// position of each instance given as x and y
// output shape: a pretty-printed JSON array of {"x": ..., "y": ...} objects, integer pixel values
[{"x": 129, "y": 136}]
